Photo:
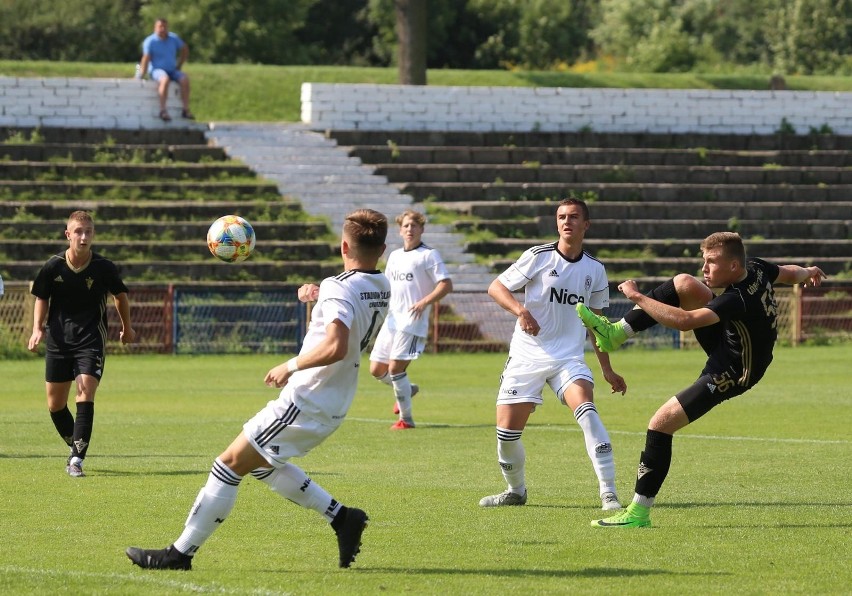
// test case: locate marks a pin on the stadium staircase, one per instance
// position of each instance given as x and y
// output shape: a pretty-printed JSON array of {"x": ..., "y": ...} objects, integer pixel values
[
  {"x": 653, "y": 197},
  {"x": 154, "y": 194},
  {"x": 329, "y": 182}
]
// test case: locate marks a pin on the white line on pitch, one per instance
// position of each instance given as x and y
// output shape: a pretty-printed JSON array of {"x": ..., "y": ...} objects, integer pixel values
[
  {"x": 629, "y": 432},
  {"x": 143, "y": 577}
]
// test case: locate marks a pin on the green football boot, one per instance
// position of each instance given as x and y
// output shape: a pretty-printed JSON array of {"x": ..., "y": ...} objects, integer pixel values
[
  {"x": 635, "y": 516},
  {"x": 608, "y": 335}
]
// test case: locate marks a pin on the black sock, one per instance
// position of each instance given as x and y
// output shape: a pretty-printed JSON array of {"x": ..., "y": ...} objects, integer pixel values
[
  {"x": 666, "y": 293},
  {"x": 338, "y": 520},
  {"x": 654, "y": 463},
  {"x": 83, "y": 428},
  {"x": 64, "y": 423}
]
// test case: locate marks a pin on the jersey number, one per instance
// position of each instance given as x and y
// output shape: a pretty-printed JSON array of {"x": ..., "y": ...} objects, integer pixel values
[{"x": 371, "y": 332}]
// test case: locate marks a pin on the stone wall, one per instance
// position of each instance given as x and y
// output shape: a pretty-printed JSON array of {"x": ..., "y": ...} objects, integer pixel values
[
  {"x": 85, "y": 103},
  {"x": 547, "y": 109}
]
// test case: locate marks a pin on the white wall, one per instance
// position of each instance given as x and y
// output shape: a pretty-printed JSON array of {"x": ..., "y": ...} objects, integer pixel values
[
  {"x": 85, "y": 103},
  {"x": 525, "y": 109}
]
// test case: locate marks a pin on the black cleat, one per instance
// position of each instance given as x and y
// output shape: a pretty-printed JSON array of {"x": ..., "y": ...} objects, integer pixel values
[
  {"x": 164, "y": 558},
  {"x": 349, "y": 535}
]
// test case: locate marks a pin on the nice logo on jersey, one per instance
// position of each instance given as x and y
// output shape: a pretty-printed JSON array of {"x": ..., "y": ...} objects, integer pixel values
[
  {"x": 401, "y": 276},
  {"x": 563, "y": 296}
]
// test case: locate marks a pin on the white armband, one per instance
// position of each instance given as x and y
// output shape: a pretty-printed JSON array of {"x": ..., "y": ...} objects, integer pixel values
[{"x": 292, "y": 365}]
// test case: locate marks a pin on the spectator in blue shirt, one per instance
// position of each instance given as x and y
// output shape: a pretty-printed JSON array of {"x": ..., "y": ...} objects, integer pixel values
[{"x": 163, "y": 54}]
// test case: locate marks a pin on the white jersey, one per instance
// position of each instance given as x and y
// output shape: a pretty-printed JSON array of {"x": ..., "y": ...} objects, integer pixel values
[
  {"x": 553, "y": 285},
  {"x": 359, "y": 299},
  {"x": 413, "y": 274}
]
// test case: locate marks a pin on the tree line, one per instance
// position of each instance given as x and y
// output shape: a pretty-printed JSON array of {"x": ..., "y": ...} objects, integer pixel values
[{"x": 780, "y": 36}]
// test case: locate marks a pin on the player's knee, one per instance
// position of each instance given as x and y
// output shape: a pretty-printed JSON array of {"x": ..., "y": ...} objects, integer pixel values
[{"x": 691, "y": 291}]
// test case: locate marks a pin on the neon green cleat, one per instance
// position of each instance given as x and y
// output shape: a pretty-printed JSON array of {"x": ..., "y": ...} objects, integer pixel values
[
  {"x": 608, "y": 335},
  {"x": 635, "y": 516}
]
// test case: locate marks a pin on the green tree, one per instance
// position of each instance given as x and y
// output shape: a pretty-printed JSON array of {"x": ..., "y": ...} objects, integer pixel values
[
  {"x": 811, "y": 36},
  {"x": 85, "y": 30},
  {"x": 229, "y": 31}
]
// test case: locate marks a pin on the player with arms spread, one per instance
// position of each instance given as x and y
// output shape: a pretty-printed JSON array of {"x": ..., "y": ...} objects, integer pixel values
[
  {"x": 548, "y": 347},
  {"x": 71, "y": 295},
  {"x": 318, "y": 386},
  {"x": 736, "y": 329},
  {"x": 418, "y": 279}
]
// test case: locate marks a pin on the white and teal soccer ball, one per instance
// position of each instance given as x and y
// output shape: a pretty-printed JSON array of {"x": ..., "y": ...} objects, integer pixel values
[{"x": 231, "y": 239}]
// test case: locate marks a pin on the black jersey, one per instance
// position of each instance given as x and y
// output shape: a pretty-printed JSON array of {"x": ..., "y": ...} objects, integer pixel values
[
  {"x": 77, "y": 317},
  {"x": 748, "y": 314}
]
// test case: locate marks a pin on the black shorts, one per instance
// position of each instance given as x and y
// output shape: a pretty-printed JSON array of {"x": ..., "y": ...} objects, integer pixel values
[
  {"x": 708, "y": 391},
  {"x": 61, "y": 367}
]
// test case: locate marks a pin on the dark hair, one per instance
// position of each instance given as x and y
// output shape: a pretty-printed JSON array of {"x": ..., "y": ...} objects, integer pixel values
[
  {"x": 572, "y": 200},
  {"x": 730, "y": 243}
]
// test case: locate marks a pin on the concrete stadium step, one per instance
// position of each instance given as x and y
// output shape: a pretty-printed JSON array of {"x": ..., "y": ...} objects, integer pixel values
[
  {"x": 731, "y": 142},
  {"x": 628, "y": 192},
  {"x": 125, "y": 251},
  {"x": 164, "y": 232},
  {"x": 450, "y": 174},
  {"x": 659, "y": 209},
  {"x": 150, "y": 190},
  {"x": 22, "y": 212},
  {"x": 107, "y": 136},
  {"x": 513, "y": 155},
  {"x": 209, "y": 268},
  {"x": 39, "y": 171},
  {"x": 77, "y": 152},
  {"x": 770, "y": 248},
  {"x": 638, "y": 229}
]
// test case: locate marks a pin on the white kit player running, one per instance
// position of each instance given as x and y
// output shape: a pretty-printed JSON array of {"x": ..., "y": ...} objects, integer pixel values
[
  {"x": 418, "y": 279},
  {"x": 547, "y": 346},
  {"x": 318, "y": 387}
]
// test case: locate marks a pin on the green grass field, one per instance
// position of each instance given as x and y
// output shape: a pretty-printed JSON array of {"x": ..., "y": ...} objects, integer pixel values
[{"x": 756, "y": 502}]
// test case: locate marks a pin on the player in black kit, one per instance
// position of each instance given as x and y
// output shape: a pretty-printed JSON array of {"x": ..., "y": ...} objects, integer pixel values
[
  {"x": 737, "y": 330},
  {"x": 71, "y": 296}
]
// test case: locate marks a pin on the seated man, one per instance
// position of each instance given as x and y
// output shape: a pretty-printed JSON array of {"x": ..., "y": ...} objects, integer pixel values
[{"x": 163, "y": 53}]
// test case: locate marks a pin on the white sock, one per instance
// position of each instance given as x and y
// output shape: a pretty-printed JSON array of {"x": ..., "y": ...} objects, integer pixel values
[
  {"x": 511, "y": 457},
  {"x": 598, "y": 445},
  {"x": 291, "y": 482},
  {"x": 385, "y": 378},
  {"x": 402, "y": 392},
  {"x": 212, "y": 505}
]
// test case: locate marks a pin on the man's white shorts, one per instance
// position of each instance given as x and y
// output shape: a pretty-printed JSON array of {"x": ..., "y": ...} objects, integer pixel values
[
  {"x": 523, "y": 381},
  {"x": 396, "y": 345},
  {"x": 281, "y": 431}
]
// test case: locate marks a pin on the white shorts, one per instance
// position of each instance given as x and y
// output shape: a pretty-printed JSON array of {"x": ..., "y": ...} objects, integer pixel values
[
  {"x": 396, "y": 345},
  {"x": 523, "y": 381},
  {"x": 281, "y": 431}
]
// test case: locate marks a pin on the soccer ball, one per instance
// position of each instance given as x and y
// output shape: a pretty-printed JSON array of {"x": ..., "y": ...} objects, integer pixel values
[{"x": 231, "y": 239}]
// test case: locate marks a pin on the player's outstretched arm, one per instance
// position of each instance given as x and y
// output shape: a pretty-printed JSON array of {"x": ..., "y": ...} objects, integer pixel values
[{"x": 793, "y": 274}]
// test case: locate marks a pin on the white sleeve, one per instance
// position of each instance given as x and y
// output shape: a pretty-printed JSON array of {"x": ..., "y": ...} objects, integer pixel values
[
  {"x": 520, "y": 272},
  {"x": 334, "y": 303}
]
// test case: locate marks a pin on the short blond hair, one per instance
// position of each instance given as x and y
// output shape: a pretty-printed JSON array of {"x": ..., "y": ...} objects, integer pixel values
[
  {"x": 415, "y": 216},
  {"x": 729, "y": 242},
  {"x": 81, "y": 216}
]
